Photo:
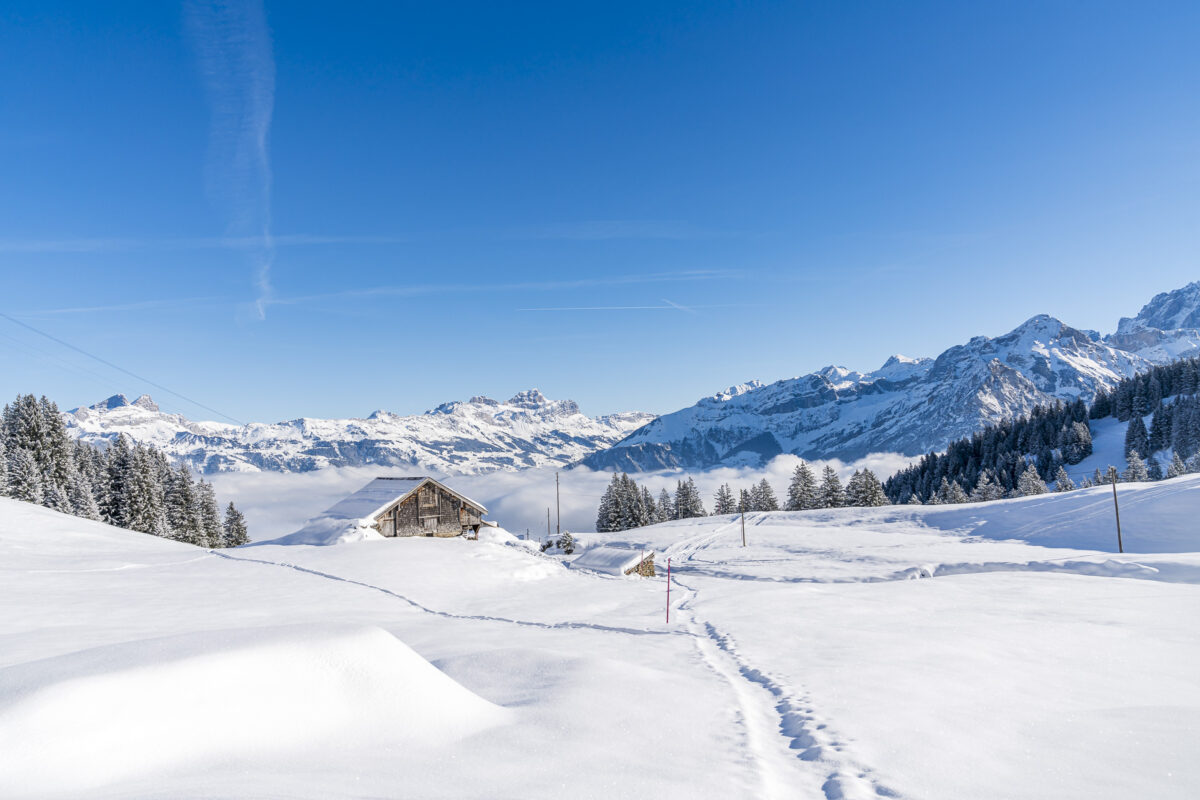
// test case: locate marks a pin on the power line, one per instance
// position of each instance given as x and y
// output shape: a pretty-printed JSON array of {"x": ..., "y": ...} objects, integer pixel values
[{"x": 120, "y": 369}]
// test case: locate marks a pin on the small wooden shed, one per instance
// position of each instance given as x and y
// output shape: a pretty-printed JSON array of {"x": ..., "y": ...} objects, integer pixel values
[{"x": 412, "y": 506}]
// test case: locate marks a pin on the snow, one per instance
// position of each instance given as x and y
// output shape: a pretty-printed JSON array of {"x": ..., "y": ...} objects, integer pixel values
[
  {"x": 610, "y": 559},
  {"x": 475, "y": 437},
  {"x": 991, "y": 651}
]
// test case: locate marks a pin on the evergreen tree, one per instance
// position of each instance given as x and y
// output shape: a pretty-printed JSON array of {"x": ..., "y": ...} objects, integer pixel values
[
  {"x": 80, "y": 497},
  {"x": 606, "y": 514},
  {"x": 688, "y": 504},
  {"x": 3, "y": 465},
  {"x": 830, "y": 495},
  {"x": 723, "y": 502},
  {"x": 802, "y": 492},
  {"x": 1031, "y": 482},
  {"x": 1135, "y": 469},
  {"x": 914, "y": 500},
  {"x": 1177, "y": 468},
  {"x": 24, "y": 477},
  {"x": 1062, "y": 481},
  {"x": 143, "y": 500},
  {"x": 986, "y": 489},
  {"x": 181, "y": 508},
  {"x": 118, "y": 470},
  {"x": 1154, "y": 469},
  {"x": 666, "y": 508},
  {"x": 651, "y": 507},
  {"x": 765, "y": 497},
  {"x": 956, "y": 493},
  {"x": 1136, "y": 437},
  {"x": 744, "y": 502},
  {"x": 235, "y": 528},
  {"x": 1160, "y": 430}
]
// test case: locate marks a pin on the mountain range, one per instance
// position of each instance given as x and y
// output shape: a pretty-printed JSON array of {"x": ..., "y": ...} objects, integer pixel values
[
  {"x": 476, "y": 436},
  {"x": 908, "y": 406},
  {"x": 911, "y": 405}
]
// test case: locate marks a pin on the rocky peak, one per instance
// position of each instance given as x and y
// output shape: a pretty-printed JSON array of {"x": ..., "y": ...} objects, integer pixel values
[{"x": 1167, "y": 311}]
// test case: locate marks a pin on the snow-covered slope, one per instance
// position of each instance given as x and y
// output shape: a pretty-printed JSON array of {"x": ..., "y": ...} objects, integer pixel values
[
  {"x": 990, "y": 651},
  {"x": 480, "y": 435},
  {"x": 909, "y": 406}
]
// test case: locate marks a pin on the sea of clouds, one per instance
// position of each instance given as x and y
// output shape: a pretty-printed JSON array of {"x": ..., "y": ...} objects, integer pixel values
[{"x": 277, "y": 503}]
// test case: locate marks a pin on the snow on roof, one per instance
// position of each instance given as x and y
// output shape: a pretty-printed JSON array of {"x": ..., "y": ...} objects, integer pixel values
[
  {"x": 611, "y": 560},
  {"x": 352, "y": 517}
]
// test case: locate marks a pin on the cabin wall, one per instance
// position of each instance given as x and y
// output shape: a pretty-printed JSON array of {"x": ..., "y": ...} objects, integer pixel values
[{"x": 430, "y": 511}]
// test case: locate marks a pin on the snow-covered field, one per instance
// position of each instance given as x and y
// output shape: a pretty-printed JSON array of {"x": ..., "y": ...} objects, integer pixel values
[{"x": 996, "y": 650}]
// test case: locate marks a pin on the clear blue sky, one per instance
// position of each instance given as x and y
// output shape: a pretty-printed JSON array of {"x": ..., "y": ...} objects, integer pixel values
[{"x": 323, "y": 209}]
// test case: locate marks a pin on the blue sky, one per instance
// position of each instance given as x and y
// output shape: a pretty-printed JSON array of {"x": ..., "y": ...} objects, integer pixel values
[{"x": 300, "y": 209}]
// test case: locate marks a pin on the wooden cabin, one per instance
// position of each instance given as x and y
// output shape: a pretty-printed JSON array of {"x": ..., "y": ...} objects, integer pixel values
[{"x": 412, "y": 506}]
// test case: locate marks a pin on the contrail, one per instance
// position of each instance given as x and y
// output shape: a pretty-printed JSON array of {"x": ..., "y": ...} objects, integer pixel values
[{"x": 233, "y": 45}]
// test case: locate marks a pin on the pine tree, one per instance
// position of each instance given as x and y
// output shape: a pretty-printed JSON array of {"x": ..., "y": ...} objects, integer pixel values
[
  {"x": 651, "y": 507},
  {"x": 666, "y": 508},
  {"x": 723, "y": 502},
  {"x": 143, "y": 499},
  {"x": 688, "y": 504},
  {"x": 802, "y": 492},
  {"x": 1135, "y": 469},
  {"x": 1031, "y": 482},
  {"x": 234, "y": 528},
  {"x": 80, "y": 498},
  {"x": 830, "y": 495},
  {"x": 182, "y": 512},
  {"x": 766, "y": 497},
  {"x": 1154, "y": 469},
  {"x": 1177, "y": 468},
  {"x": 24, "y": 477},
  {"x": 118, "y": 470},
  {"x": 914, "y": 500},
  {"x": 1062, "y": 481},
  {"x": 3, "y": 465},
  {"x": 744, "y": 502},
  {"x": 1136, "y": 437},
  {"x": 986, "y": 489},
  {"x": 956, "y": 493},
  {"x": 606, "y": 515}
]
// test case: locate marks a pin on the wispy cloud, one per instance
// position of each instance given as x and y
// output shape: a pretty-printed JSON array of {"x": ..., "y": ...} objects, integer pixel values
[
  {"x": 411, "y": 290},
  {"x": 142, "y": 305},
  {"x": 233, "y": 45}
]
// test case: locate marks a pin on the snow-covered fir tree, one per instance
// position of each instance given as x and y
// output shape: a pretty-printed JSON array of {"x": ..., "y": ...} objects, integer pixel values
[
  {"x": 829, "y": 494},
  {"x": 24, "y": 478},
  {"x": 723, "y": 502},
  {"x": 688, "y": 503},
  {"x": 666, "y": 508},
  {"x": 1031, "y": 482},
  {"x": 1062, "y": 481},
  {"x": 802, "y": 491},
  {"x": 864, "y": 489},
  {"x": 1135, "y": 469},
  {"x": 1154, "y": 469},
  {"x": 1177, "y": 467},
  {"x": 762, "y": 497},
  {"x": 1136, "y": 437},
  {"x": 744, "y": 502},
  {"x": 234, "y": 527}
]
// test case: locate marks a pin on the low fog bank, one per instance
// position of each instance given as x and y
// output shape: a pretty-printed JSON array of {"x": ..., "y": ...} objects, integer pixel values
[{"x": 277, "y": 503}]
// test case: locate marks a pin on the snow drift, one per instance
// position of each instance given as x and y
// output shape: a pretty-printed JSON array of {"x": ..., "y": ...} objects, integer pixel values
[{"x": 115, "y": 712}]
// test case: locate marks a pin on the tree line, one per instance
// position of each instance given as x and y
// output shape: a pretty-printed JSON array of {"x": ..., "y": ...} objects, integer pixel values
[
  {"x": 127, "y": 485},
  {"x": 1026, "y": 455},
  {"x": 627, "y": 505}
]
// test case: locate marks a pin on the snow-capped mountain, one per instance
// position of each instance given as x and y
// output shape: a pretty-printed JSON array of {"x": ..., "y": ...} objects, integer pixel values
[
  {"x": 910, "y": 405},
  {"x": 476, "y": 436}
]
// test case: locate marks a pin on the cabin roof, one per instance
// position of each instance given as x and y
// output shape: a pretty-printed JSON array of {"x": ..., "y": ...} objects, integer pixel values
[
  {"x": 611, "y": 560},
  {"x": 382, "y": 493}
]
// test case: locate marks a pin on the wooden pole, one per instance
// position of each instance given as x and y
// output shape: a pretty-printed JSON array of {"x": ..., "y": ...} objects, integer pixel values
[
  {"x": 1112, "y": 476},
  {"x": 668, "y": 591},
  {"x": 743, "y": 529},
  {"x": 557, "y": 507}
]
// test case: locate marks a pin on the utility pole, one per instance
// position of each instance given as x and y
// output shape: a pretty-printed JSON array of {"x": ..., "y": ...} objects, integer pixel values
[
  {"x": 557, "y": 508},
  {"x": 743, "y": 528},
  {"x": 1112, "y": 476}
]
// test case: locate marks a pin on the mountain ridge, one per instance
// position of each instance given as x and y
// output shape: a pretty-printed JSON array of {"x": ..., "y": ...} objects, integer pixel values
[{"x": 909, "y": 405}]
